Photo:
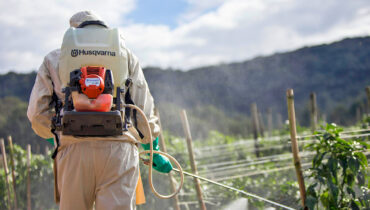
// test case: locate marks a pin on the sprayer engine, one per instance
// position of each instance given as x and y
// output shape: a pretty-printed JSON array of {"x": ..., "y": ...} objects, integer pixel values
[{"x": 92, "y": 81}]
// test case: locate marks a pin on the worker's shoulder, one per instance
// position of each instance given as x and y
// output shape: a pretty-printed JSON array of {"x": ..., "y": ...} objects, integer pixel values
[
  {"x": 53, "y": 55},
  {"x": 123, "y": 44},
  {"x": 51, "y": 60}
]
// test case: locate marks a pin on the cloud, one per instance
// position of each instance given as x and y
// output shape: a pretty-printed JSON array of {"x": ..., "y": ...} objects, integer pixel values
[
  {"x": 198, "y": 7},
  {"x": 30, "y": 29},
  {"x": 208, "y": 33},
  {"x": 238, "y": 30}
]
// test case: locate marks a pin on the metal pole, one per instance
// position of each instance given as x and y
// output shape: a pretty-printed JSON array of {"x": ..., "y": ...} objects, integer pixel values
[
  {"x": 255, "y": 127},
  {"x": 186, "y": 127},
  {"x": 6, "y": 171},
  {"x": 28, "y": 177},
  {"x": 164, "y": 149},
  {"x": 295, "y": 150},
  {"x": 313, "y": 112},
  {"x": 10, "y": 141}
]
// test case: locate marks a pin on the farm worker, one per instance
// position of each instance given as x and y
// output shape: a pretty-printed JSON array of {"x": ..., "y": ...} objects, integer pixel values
[{"x": 103, "y": 170}]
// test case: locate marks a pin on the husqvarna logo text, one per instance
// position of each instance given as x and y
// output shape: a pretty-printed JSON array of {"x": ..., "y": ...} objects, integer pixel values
[{"x": 76, "y": 52}]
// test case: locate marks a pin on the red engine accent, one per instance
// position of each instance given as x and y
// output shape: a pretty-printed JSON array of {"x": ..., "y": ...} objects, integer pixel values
[{"x": 92, "y": 81}]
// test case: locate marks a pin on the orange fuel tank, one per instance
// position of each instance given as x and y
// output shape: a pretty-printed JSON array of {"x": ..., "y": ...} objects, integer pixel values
[{"x": 103, "y": 103}]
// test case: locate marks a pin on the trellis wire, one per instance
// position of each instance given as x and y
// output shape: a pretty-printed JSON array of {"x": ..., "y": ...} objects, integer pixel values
[{"x": 237, "y": 190}]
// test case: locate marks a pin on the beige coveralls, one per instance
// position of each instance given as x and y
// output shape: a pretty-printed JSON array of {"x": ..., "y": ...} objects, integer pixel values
[{"x": 104, "y": 170}]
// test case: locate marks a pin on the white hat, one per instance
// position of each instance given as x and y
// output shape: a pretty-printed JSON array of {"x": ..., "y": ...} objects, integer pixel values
[{"x": 81, "y": 17}]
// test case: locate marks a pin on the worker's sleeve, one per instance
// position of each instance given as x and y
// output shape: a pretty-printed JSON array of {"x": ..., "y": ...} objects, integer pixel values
[
  {"x": 143, "y": 99},
  {"x": 39, "y": 108}
]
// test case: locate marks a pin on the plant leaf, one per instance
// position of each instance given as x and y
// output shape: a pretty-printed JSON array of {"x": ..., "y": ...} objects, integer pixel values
[
  {"x": 361, "y": 179},
  {"x": 351, "y": 191},
  {"x": 333, "y": 190},
  {"x": 333, "y": 165},
  {"x": 318, "y": 159},
  {"x": 362, "y": 158},
  {"x": 343, "y": 142},
  {"x": 343, "y": 163},
  {"x": 311, "y": 190},
  {"x": 350, "y": 179},
  {"x": 354, "y": 206},
  {"x": 354, "y": 165},
  {"x": 311, "y": 202},
  {"x": 324, "y": 198}
]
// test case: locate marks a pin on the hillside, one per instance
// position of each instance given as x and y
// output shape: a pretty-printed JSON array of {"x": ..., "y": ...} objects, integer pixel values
[
  {"x": 337, "y": 72},
  {"x": 219, "y": 97}
]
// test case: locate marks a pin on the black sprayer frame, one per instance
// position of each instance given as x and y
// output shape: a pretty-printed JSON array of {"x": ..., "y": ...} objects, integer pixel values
[{"x": 91, "y": 123}]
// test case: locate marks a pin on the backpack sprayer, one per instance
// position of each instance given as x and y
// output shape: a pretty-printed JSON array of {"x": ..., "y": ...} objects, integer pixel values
[{"x": 91, "y": 113}]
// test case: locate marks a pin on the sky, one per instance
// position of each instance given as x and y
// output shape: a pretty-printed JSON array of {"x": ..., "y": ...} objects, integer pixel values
[{"x": 182, "y": 34}]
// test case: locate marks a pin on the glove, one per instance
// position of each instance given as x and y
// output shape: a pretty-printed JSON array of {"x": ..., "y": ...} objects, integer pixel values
[
  {"x": 50, "y": 140},
  {"x": 160, "y": 163}
]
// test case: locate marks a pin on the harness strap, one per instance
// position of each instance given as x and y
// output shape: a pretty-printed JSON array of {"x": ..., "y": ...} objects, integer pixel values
[
  {"x": 128, "y": 100},
  {"x": 58, "y": 144},
  {"x": 54, "y": 122},
  {"x": 92, "y": 22}
]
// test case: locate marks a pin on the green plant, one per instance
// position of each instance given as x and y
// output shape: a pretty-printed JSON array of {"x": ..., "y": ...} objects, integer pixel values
[
  {"x": 338, "y": 172},
  {"x": 365, "y": 122},
  {"x": 41, "y": 176}
]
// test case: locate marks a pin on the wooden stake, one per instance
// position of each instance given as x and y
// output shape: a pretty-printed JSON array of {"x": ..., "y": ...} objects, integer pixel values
[
  {"x": 261, "y": 124},
  {"x": 279, "y": 120},
  {"x": 13, "y": 170},
  {"x": 358, "y": 114},
  {"x": 295, "y": 150},
  {"x": 186, "y": 127},
  {"x": 269, "y": 121},
  {"x": 255, "y": 127},
  {"x": 368, "y": 100},
  {"x": 6, "y": 171},
  {"x": 363, "y": 108},
  {"x": 164, "y": 149},
  {"x": 46, "y": 150},
  {"x": 28, "y": 177},
  {"x": 323, "y": 116},
  {"x": 313, "y": 111},
  {"x": 37, "y": 149}
]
